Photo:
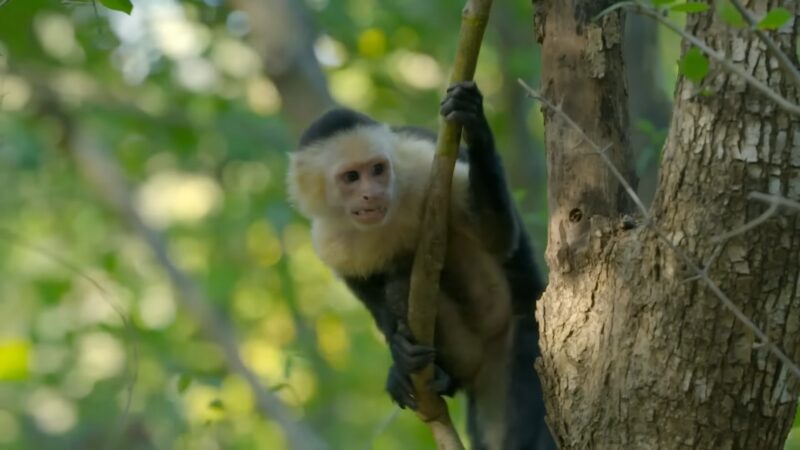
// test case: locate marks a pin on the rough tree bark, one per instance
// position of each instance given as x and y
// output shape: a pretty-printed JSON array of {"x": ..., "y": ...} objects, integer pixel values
[{"x": 635, "y": 354}]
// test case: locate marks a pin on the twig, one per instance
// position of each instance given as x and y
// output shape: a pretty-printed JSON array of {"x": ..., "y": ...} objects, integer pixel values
[
  {"x": 775, "y": 201},
  {"x": 382, "y": 427},
  {"x": 108, "y": 182},
  {"x": 719, "y": 57},
  {"x": 773, "y": 208},
  {"x": 780, "y": 55},
  {"x": 772, "y": 198},
  {"x": 700, "y": 273}
]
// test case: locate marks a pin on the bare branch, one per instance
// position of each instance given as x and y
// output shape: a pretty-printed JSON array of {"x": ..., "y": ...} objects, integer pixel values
[
  {"x": 784, "y": 103},
  {"x": 699, "y": 272},
  {"x": 780, "y": 55},
  {"x": 773, "y": 208},
  {"x": 772, "y": 198},
  {"x": 774, "y": 201},
  {"x": 108, "y": 181}
]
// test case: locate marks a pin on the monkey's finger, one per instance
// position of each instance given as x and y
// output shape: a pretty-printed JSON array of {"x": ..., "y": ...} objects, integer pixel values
[
  {"x": 470, "y": 84},
  {"x": 466, "y": 91},
  {"x": 400, "y": 389},
  {"x": 468, "y": 95},
  {"x": 458, "y": 104},
  {"x": 441, "y": 383},
  {"x": 404, "y": 345},
  {"x": 414, "y": 361},
  {"x": 418, "y": 362}
]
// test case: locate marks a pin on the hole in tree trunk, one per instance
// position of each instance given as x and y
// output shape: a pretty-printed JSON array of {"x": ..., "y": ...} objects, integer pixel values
[{"x": 575, "y": 215}]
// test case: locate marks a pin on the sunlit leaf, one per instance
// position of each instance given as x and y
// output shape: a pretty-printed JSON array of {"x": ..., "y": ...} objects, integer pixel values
[
  {"x": 730, "y": 15},
  {"x": 287, "y": 368},
  {"x": 14, "y": 356},
  {"x": 645, "y": 126},
  {"x": 691, "y": 7},
  {"x": 278, "y": 387},
  {"x": 775, "y": 19},
  {"x": 519, "y": 195},
  {"x": 694, "y": 65},
  {"x": 217, "y": 405},
  {"x": 118, "y": 5},
  {"x": 184, "y": 382}
]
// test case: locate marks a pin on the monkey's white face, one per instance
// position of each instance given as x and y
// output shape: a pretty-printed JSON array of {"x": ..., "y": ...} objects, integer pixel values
[{"x": 365, "y": 189}]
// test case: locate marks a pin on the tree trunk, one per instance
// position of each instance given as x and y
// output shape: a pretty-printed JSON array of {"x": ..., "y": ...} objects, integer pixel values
[{"x": 636, "y": 354}]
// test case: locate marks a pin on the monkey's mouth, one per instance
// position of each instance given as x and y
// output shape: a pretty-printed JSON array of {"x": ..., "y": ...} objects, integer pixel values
[{"x": 369, "y": 215}]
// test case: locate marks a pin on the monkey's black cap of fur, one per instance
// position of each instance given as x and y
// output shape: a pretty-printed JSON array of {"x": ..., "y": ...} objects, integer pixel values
[{"x": 333, "y": 122}]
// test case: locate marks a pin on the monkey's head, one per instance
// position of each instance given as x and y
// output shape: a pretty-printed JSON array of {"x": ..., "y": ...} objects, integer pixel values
[{"x": 343, "y": 169}]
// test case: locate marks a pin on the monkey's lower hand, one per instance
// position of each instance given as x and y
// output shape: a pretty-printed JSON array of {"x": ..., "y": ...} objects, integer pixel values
[{"x": 409, "y": 358}]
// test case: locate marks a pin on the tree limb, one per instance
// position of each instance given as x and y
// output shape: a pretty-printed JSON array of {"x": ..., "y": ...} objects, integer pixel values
[{"x": 431, "y": 249}]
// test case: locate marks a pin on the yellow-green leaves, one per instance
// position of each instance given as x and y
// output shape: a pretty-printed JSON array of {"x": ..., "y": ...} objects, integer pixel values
[
  {"x": 694, "y": 65},
  {"x": 690, "y": 7},
  {"x": 14, "y": 357},
  {"x": 184, "y": 382},
  {"x": 774, "y": 19},
  {"x": 730, "y": 15},
  {"x": 685, "y": 7},
  {"x": 118, "y": 5}
]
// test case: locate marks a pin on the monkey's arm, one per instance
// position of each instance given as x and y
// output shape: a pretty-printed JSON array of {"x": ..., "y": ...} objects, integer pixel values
[
  {"x": 386, "y": 297},
  {"x": 489, "y": 196}
]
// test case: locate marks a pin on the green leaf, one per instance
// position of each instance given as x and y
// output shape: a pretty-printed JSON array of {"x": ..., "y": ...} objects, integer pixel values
[
  {"x": 184, "y": 382},
  {"x": 278, "y": 387},
  {"x": 658, "y": 3},
  {"x": 519, "y": 195},
  {"x": 694, "y": 65},
  {"x": 691, "y": 7},
  {"x": 217, "y": 405},
  {"x": 118, "y": 5},
  {"x": 14, "y": 360},
  {"x": 775, "y": 19},
  {"x": 287, "y": 368},
  {"x": 730, "y": 15}
]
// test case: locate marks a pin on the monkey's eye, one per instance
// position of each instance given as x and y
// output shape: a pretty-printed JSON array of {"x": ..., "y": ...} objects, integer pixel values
[
  {"x": 350, "y": 176},
  {"x": 378, "y": 169}
]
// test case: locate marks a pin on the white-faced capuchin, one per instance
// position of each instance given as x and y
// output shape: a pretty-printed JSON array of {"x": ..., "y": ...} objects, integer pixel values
[{"x": 362, "y": 185}]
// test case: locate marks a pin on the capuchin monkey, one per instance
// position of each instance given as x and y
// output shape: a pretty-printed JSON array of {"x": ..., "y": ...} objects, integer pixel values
[{"x": 362, "y": 185}]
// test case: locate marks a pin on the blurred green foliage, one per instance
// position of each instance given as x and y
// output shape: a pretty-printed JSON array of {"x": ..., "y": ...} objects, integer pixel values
[{"x": 175, "y": 93}]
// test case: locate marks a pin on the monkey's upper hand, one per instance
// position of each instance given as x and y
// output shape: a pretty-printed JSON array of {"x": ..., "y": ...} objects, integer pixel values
[{"x": 463, "y": 105}]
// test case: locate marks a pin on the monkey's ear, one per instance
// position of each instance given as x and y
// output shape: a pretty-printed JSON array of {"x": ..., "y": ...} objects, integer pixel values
[{"x": 305, "y": 184}]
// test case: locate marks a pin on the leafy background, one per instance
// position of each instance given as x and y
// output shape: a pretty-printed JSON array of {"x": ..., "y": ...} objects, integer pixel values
[{"x": 95, "y": 352}]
